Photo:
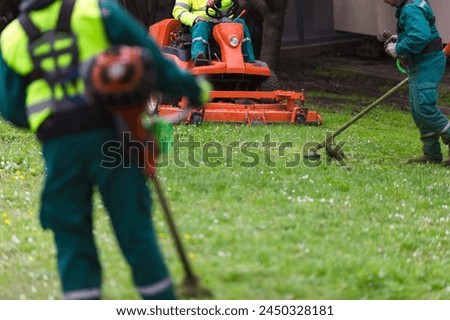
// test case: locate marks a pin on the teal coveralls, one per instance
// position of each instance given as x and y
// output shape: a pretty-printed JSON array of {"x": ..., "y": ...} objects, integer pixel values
[
  {"x": 416, "y": 30},
  {"x": 73, "y": 154},
  {"x": 201, "y": 32}
]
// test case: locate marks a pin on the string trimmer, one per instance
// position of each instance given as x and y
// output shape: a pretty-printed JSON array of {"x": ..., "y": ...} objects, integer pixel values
[
  {"x": 334, "y": 150},
  {"x": 121, "y": 78}
]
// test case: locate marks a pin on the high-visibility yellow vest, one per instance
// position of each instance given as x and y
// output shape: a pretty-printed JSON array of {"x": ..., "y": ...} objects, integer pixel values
[
  {"x": 85, "y": 39},
  {"x": 186, "y": 11}
]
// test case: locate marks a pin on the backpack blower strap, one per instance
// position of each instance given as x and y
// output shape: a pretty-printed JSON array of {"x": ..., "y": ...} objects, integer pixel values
[
  {"x": 71, "y": 114},
  {"x": 30, "y": 5},
  {"x": 61, "y": 75},
  {"x": 32, "y": 31}
]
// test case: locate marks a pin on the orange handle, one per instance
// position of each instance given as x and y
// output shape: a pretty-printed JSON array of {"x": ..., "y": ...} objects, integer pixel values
[
  {"x": 133, "y": 119},
  {"x": 447, "y": 50}
]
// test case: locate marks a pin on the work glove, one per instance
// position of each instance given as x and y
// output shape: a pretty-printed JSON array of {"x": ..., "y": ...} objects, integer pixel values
[
  {"x": 205, "y": 90},
  {"x": 391, "y": 39},
  {"x": 390, "y": 50}
]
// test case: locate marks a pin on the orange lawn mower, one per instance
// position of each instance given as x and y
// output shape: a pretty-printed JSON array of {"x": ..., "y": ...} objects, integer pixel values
[{"x": 243, "y": 92}]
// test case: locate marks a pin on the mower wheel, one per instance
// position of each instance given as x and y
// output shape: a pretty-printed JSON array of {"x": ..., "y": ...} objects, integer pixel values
[
  {"x": 196, "y": 119},
  {"x": 269, "y": 84},
  {"x": 312, "y": 156},
  {"x": 300, "y": 119}
]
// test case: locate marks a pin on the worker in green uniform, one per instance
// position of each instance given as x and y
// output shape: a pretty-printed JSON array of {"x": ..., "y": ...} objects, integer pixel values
[
  {"x": 192, "y": 13},
  {"x": 418, "y": 43},
  {"x": 41, "y": 89}
]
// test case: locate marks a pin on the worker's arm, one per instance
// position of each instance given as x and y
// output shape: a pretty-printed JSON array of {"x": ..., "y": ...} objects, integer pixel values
[
  {"x": 447, "y": 50},
  {"x": 12, "y": 98},
  {"x": 417, "y": 30},
  {"x": 122, "y": 29},
  {"x": 182, "y": 12}
]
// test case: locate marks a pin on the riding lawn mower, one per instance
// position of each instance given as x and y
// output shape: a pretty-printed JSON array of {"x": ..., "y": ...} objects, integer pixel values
[{"x": 243, "y": 92}]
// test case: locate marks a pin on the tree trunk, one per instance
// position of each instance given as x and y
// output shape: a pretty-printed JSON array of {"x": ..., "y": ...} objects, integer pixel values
[
  {"x": 153, "y": 9},
  {"x": 272, "y": 13},
  {"x": 8, "y": 12},
  {"x": 140, "y": 9},
  {"x": 162, "y": 10}
]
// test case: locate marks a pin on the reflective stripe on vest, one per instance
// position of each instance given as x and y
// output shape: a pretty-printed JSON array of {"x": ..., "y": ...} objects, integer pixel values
[{"x": 91, "y": 38}]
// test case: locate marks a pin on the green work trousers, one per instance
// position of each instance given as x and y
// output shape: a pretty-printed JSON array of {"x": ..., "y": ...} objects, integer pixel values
[
  {"x": 425, "y": 74},
  {"x": 75, "y": 165},
  {"x": 201, "y": 32}
]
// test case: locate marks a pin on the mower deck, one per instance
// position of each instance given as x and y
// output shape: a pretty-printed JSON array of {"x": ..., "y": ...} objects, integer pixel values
[
  {"x": 244, "y": 92},
  {"x": 248, "y": 107}
]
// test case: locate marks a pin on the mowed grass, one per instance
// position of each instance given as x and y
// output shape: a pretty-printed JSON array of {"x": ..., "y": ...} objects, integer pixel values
[{"x": 257, "y": 220}]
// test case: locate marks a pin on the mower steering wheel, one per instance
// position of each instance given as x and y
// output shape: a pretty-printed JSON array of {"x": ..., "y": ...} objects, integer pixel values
[{"x": 218, "y": 14}]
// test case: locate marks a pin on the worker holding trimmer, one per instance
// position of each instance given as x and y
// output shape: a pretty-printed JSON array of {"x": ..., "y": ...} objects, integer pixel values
[
  {"x": 42, "y": 90},
  {"x": 418, "y": 43}
]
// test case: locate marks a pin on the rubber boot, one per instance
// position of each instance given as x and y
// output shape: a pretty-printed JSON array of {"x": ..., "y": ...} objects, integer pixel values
[
  {"x": 431, "y": 151},
  {"x": 446, "y": 139},
  {"x": 201, "y": 31},
  {"x": 446, "y": 162},
  {"x": 200, "y": 60}
]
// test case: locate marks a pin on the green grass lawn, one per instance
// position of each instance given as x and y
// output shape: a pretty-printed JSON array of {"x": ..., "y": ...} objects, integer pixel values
[{"x": 259, "y": 223}]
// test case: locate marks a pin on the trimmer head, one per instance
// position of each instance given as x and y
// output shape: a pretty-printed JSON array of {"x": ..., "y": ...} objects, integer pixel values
[
  {"x": 192, "y": 289},
  {"x": 312, "y": 155},
  {"x": 332, "y": 149},
  {"x": 335, "y": 153}
]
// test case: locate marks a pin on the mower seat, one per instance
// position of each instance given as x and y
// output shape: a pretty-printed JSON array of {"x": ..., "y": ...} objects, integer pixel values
[{"x": 182, "y": 54}]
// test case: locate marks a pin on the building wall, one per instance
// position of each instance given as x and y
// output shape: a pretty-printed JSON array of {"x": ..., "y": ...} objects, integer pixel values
[
  {"x": 372, "y": 17},
  {"x": 309, "y": 21}
]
